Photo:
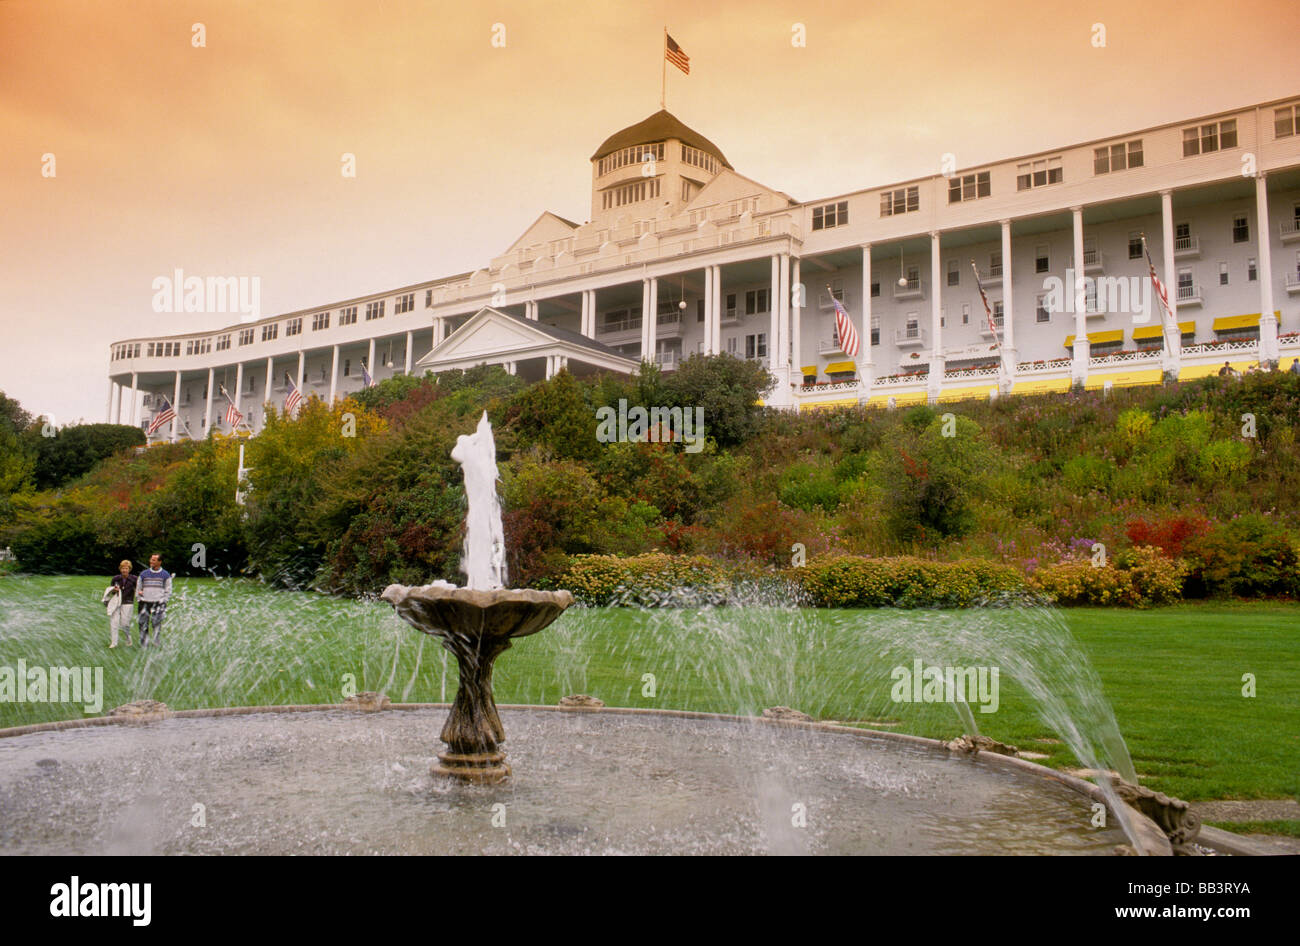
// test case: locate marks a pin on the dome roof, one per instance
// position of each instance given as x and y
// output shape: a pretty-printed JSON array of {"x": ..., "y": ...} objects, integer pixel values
[{"x": 657, "y": 127}]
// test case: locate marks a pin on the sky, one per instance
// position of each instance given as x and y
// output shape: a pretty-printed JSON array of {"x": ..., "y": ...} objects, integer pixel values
[{"x": 225, "y": 159}]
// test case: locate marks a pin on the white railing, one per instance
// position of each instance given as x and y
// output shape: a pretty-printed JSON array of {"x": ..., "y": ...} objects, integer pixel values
[
  {"x": 1093, "y": 259},
  {"x": 911, "y": 336},
  {"x": 900, "y": 380},
  {"x": 830, "y": 387},
  {"x": 990, "y": 333},
  {"x": 1289, "y": 230},
  {"x": 1121, "y": 357},
  {"x": 666, "y": 359},
  {"x": 619, "y": 325},
  {"x": 987, "y": 371},
  {"x": 1210, "y": 348},
  {"x": 914, "y": 289},
  {"x": 1187, "y": 246},
  {"x": 829, "y": 346},
  {"x": 1046, "y": 367},
  {"x": 1293, "y": 282},
  {"x": 1189, "y": 293}
]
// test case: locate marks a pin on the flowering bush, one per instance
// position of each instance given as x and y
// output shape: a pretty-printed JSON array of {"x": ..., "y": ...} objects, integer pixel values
[
  {"x": 1169, "y": 535},
  {"x": 848, "y": 581},
  {"x": 1137, "y": 578},
  {"x": 645, "y": 580}
]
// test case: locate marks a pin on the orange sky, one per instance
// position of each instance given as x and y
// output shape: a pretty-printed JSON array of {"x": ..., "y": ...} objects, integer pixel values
[{"x": 225, "y": 160}]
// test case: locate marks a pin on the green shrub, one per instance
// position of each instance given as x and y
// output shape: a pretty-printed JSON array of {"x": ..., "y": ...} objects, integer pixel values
[
  {"x": 847, "y": 581},
  {"x": 644, "y": 580},
  {"x": 1082, "y": 583},
  {"x": 1249, "y": 555},
  {"x": 807, "y": 487}
]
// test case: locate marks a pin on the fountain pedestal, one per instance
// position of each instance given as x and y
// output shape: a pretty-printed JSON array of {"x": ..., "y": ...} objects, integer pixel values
[{"x": 476, "y": 627}]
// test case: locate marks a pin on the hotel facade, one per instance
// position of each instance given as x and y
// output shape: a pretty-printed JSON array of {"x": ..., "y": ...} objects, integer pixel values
[{"x": 683, "y": 254}]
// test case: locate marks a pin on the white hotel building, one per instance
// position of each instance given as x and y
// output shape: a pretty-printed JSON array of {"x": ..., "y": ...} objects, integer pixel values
[{"x": 718, "y": 258}]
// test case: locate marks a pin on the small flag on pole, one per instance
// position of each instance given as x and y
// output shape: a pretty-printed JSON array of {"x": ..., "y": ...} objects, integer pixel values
[
  {"x": 1161, "y": 292},
  {"x": 988, "y": 309},
  {"x": 295, "y": 396},
  {"x": 850, "y": 343},
  {"x": 366, "y": 380},
  {"x": 168, "y": 413},
  {"x": 233, "y": 416},
  {"x": 676, "y": 55}
]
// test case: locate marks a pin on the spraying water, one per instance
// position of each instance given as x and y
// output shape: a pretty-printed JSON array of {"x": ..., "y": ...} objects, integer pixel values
[{"x": 484, "y": 557}]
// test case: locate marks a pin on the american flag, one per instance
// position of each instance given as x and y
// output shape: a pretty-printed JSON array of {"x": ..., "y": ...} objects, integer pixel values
[
  {"x": 988, "y": 309},
  {"x": 674, "y": 54},
  {"x": 295, "y": 396},
  {"x": 168, "y": 413},
  {"x": 366, "y": 380},
  {"x": 1161, "y": 292},
  {"x": 233, "y": 417},
  {"x": 844, "y": 330}
]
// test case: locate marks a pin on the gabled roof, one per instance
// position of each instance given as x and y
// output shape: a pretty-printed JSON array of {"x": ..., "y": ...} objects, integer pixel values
[
  {"x": 546, "y": 227},
  {"x": 492, "y": 334},
  {"x": 728, "y": 185},
  {"x": 662, "y": 124}
]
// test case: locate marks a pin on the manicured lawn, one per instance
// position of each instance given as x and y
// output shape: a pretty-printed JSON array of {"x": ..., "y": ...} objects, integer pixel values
[{"x": 1173, "y": 676}]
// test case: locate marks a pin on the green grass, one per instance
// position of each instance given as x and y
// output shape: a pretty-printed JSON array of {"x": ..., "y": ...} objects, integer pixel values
[
  {"x": 1286, "y": 828},
  {"x": 1173, "y": 676}
]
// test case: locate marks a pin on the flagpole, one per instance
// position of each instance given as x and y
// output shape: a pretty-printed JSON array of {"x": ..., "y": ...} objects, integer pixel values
[
  {"x": 1004, "y": 370},
  {"x": 663, "y": 72}
]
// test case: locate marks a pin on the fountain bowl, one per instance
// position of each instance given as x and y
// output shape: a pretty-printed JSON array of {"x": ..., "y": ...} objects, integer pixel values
[{"x": 476, "y": 626}]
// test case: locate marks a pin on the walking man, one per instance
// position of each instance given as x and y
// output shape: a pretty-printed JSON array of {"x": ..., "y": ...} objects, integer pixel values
[
  {"x": 154, "y": 588},
  {"x": 120, "y": 598}
]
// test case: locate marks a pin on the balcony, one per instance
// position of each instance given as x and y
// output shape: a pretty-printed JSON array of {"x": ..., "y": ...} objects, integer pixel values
[
  {"x": 669, "y": 325},
  {"x": 1188, "y": 247},
  {"x": 1289, "y": 230},
  {"x": 615, "y": 327},
  {"x": 911, "y": 337},
  {"x": 986, "y": 332},
  {"x": 668, "y": 360},
  {"x": 732, "y": 316},
  {"x": 1094, "y": 261},
  {"x": 826, "y": 301},
  {"x": 1293, "y": 282},
  {"x": 830, "y": 346},
  {"x": 1189, "y": 294},
  {"x": 914, "y": 289}
]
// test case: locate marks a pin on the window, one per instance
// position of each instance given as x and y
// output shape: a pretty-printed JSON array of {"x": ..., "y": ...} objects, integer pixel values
[
  {"x": 837, "y": 292},
  {"x": 1223, "y": 274},
  {"x": 954, "y": 273},
  {"x": 1240, "y": 229},
  {"x": 831, "y": 215},
  {"x": 756, "y": 300},
  {"x": 730, "y": 307},
  {"x": 756, "y": 345},
  {"x": 995, "y": 263},
  {"x": 428, "y": 298},
  {"x": 913, "y": 278},
  {"x": 699, "y": 310},
  {"x": 696, "y": 158},
  {"x": 404, "y": 303},
  {"x": 1117, "y": 157},
  {"x": 965, "y": 313},
  {"x": 321, "y": 320},
  {"x": 270, "y": 332},
  {"x": 246, "y": 336},
  {"x": 1134, "y": 244},
  {"x": 630, "y": 193},
  {"x": 731, "y": 345},
  {"x": 293, "y": 327},
  {"x": 912, "y": 327},
  {"x": 998, "y": 314},
  {"x": 1252, "y": 273},
  {"x": 1286, "y": 121},
  {"x": 348, "y": 315},
  {"x": 374, "y": 310},
  {"x": 1038, "y": 173},
  {"x": 189, "y": 347},
  {"x": 347, "y": 367},
  {"x": 1185, "y": 283},
  {"x": 875, "y": 289},
  {"x": 1205, "y": 139},
  {"x": 250, "y": 384},
  {"x": 968, "y": 187},
  {"x": 1041, "y": 312},
  {"x": 875, "y": 330},
  {"x": 633, "y": 155},
  {"x": 1042, "y": 259},
  {"x": 903, "y": 200}
]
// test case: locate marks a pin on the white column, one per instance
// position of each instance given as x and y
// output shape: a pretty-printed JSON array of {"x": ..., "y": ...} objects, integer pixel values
[
  {"x": 717, "y": 309},
  {"x": 1008, "y": 323},
  {"x": 302, "y": 363},
  {"x": 1079, "y": 299},
  {"x": 1268, "y": 353},
  {"x": 783, "y": 324},
  {"x": 1173, "y": 346},
  {"x": 115, "y": 402},
  {"x": 866, "y": 363},
  {"x": 239, "y": 387},
  {"x": 774, "y": 315},
  {"x": 176, "y": 406},
  {"x": 207, "y": 403},
  {"x": 410, "y": 342},
  {"x": 708, "y": 310},
  {"x": 370, "y": 360},
  {"x": 796, "y": 322},
  {"x": 550, "y": 366},
  {"x": 588, "y": 330},
  {"x": 108, "y": 408},
  {"x": 652, "y": 321},
  {"x": 334, "y": 374},
  {"x": 134, "y": 411},
  {"x": 645, "y": 305},
  {"x": 934, "y": 383},
  {"x": 266, "y": 395}
]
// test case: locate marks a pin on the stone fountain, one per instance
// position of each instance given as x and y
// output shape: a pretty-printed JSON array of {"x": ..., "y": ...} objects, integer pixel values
[{"x": 477, "y": 623}]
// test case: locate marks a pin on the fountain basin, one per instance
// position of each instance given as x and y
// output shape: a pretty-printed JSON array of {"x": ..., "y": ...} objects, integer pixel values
[{"x": 323, "y": 780}]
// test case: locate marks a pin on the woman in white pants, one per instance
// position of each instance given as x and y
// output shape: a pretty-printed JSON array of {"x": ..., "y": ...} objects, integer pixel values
[{"x": 120, "y": 598}]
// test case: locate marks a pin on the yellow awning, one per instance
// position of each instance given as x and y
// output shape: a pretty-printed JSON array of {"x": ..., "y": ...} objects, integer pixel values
[
  {"x": 981, "y": 392},
  {"x": 1098, "y": 338},
  {"x": 1042, "y": 386},
  {"x": 1229, "y": 322},
  {"x": 809, "y": 369},
  {"x": 1192, "y": 372},
  {"x": 835, "y": 367},
  {"x": 902, "y": 399},
  {"x": 825, "y": 405},
  {"x": 1154, "y": 331},
  {"x": 1124, "y": 379}
]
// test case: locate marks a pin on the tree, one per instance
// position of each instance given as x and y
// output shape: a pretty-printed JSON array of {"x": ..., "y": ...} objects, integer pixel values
[
  {"x": 727, "y": 388},
  {"x": 74, "y": 450}
]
